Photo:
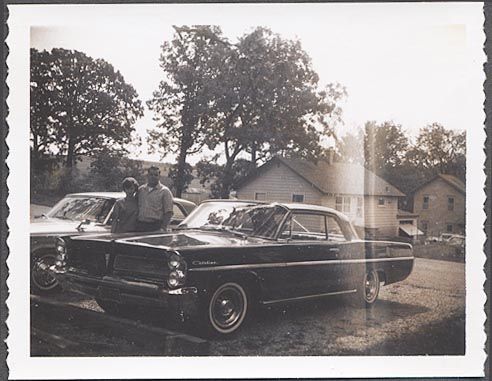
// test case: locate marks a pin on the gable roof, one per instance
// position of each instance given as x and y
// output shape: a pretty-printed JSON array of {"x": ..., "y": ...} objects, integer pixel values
[
  {"x": 335, "y": 178},
  {"x": 454, "y": 181},
  {"x": 449, "y": 179}
]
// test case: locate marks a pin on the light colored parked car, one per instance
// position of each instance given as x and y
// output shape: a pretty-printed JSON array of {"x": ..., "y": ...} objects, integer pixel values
[{"x": 76, "y": 213}]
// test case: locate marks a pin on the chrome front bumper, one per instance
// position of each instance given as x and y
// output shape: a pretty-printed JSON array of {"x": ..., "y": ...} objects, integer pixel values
[{"x": 183, "y": 301}]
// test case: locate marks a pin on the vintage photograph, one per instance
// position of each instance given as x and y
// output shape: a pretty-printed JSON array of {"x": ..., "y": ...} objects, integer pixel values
[{"x": 240, "y": 182}]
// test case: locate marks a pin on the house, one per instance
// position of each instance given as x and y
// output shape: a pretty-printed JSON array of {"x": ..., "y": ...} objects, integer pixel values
[
  {"x": 440, "y": 203},
  {"x": 368, "y": 200},
  {"x": 408, "y": 226}
]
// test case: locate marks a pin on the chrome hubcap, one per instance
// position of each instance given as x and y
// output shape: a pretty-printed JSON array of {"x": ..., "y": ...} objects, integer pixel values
[
  {"x": 41, "y": 277},
  {"x": 227, "y": 307},
  {"x": 371, "y": 285}
]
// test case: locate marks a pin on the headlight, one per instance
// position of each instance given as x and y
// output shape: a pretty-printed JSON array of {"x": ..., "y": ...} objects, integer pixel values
[
  {"x": 61, "y": 248},
  {"x": 176, "y": 262},
  {"x": 177, "y": 265},
  {"x": 176, "y": 278}
]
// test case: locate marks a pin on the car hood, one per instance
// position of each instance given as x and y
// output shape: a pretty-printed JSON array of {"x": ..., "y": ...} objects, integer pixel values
[
  {"x": 47, "y": 226},
  {"x": 181, "y": 239}
]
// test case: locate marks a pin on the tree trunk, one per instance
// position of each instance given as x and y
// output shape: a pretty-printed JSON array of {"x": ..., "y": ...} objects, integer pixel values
[
  {"x": 70, "y": 154},
  {"x": 227, "y": 178},
  {"x": 35, "y": 153},
  {"x": 180, "y": 173},
  {"x": 253, "y": 155}
]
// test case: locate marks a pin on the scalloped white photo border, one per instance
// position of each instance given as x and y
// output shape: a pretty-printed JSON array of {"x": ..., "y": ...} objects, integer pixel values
[{"x": 22, "y": 366}]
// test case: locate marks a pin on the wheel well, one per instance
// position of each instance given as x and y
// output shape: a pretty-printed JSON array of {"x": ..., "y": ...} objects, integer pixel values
[
  {"x": 247, "y": 280},
  {"x": 42, "y": 251},
  {"x": 382, "y": 275}
]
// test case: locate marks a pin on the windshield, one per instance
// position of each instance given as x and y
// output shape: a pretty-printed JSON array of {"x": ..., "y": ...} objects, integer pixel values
[
  {"x": 94, "y": 209},
  {"x": 260, "y": 221},
  {"x": 242, "y": 217}
]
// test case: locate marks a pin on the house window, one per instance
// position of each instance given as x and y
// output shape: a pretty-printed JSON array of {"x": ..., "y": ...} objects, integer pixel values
[
  {"x": 449, "y": 228},
  {"x": 346, "y": 204},
  {"x": 381, "y": 201},
  {"x": 425, "y": 204},
  {"x": 297, "y": 198},
  {"x": 450, "y": 203},
  {"x": 360, "y": 205},
  {"x": 339, "y": 203},
  {"x": 260, "y": 196},
  {"x": 342, "y": 204}
]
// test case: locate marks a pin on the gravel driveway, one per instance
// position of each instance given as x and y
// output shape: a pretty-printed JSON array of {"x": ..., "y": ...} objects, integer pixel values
[
  {"x": 431, "y": 299},
  {"x": 422, "y": 315}
]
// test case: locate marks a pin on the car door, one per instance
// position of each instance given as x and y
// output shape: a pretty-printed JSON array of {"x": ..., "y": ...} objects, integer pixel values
[{"x": 307, "y": 267}]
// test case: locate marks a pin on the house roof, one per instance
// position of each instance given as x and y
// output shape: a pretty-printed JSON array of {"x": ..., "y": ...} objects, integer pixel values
[
  {"x": 406, "y": 214},
  {"x": 449, "y": 179},
  {"x": 335, "y": 178},
  {"x": 454, "y": 181}
]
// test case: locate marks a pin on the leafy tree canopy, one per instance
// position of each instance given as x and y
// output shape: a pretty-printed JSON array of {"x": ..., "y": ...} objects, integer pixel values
[
  {"x": 259, "y": 95},
  {"x": 184, "y": 103},
  {"x": 79, "y": 105},
  {"x": 110, "y": 168},
  {"x": 438, "y": 150},
  {"x": 211, "y": 173}
]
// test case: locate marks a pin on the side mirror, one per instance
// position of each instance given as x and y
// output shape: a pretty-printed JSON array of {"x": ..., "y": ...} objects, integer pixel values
[{"x": 80, "y": 227}]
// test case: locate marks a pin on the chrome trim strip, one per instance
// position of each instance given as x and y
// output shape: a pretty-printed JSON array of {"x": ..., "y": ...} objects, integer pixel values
[
  {"x": 291, "y": 264},
  {"x": 308, "y": 296},
  {"x": 181, "y": 291}
]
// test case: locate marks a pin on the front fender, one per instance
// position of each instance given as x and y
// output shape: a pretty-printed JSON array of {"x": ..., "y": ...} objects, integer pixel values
[
  {"x": 208, "y": 281},
  {"x": 42, "y": 244}
]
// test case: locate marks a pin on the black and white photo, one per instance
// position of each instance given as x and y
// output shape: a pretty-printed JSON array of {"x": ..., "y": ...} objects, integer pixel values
[{"x": 246, "y": 190}]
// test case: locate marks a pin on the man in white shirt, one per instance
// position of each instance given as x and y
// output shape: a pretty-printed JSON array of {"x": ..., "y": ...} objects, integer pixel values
[{"x": 155, "y": 203}]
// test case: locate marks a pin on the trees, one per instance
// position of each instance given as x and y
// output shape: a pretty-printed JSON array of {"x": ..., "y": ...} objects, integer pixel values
[
  {"x": 385, "y": 146},
  {"x": 210, "y": 172},
  {"x": 350, "y": 147},
  {"x": 259, "y": 96},
  {"x": 438, "y": 150},
  {"x": 79, "y": 105},
  {"x": 386, "y": 150},
  {"x": 109, "y": 169},
  {"x": 184, "y": 104},
  {"x": 272, "y": 103},
  {"x": 181, "y": 175}
]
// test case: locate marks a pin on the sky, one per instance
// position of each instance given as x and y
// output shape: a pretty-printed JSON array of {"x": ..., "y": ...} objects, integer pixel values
[{"x": 413, "y": 63}]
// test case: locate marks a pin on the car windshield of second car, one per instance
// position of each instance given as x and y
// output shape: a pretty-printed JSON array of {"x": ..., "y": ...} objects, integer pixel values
[
  {"x": 94, "y": 209},
  {"x": 252, "y": 221}
]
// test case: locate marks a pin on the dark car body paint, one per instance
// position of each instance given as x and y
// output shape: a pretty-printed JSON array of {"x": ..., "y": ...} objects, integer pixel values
[{"x": 277, "y": 269}]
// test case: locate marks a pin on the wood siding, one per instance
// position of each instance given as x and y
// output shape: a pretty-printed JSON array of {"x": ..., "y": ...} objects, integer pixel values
[
  {"x": 280, "y": 183},
  {"x": 382, "y": 218},
  {"x": 437, "y": 216}
]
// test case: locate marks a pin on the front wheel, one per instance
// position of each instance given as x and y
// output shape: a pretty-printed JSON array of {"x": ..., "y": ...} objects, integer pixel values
[
  {"x": 42, "y": 280},
  {"x": 227, "y": 308}
]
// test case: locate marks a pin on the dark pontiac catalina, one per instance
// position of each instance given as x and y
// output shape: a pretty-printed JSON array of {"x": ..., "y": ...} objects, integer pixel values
[{"x": 227, "y": 257}]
